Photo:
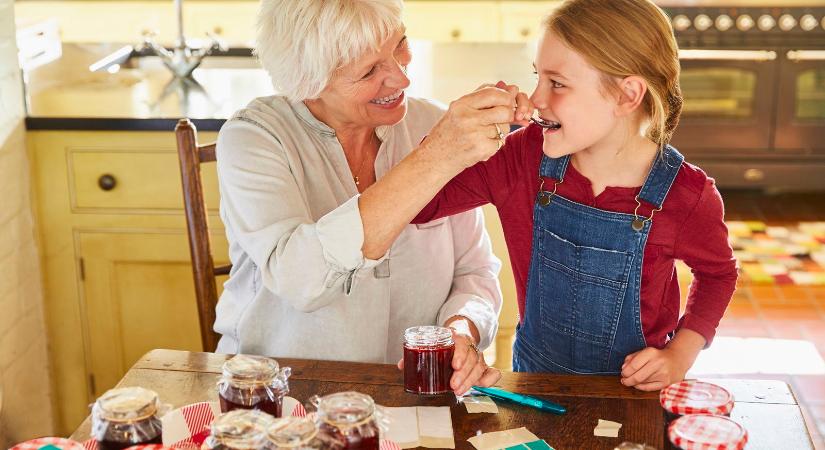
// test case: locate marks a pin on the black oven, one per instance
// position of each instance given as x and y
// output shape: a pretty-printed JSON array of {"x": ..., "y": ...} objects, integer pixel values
[{"x": 754, "y": 86}]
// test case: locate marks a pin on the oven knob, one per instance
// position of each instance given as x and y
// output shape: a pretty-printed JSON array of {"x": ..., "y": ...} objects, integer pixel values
[
  {"x": 681, "y": 22},
  {"x": 724, "y": 22},
  {"x": 744, "y": 22},
  {"x": 766, "y": 22},
  {"x": 808, "y": 22},
  {"x": 787, "y": 22},
  {"x": 702, "y": 22}
]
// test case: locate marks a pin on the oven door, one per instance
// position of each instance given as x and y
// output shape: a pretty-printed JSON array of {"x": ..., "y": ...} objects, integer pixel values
[
  {"x": 800, "y": 117},
  {"x": 728, "y": 100}
]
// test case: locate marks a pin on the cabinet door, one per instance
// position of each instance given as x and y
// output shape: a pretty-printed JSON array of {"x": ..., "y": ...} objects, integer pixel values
[{"x": 137, "y": 295}]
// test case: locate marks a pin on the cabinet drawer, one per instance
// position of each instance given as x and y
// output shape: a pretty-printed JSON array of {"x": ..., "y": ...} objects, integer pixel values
[
  {"x": 452, "y": 21},
  {"x": 139, "y": 180},
  {"x": 522, "y": 21}
]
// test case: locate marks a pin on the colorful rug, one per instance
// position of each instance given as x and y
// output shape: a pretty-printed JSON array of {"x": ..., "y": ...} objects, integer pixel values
[{"x": 793, "y": 254}]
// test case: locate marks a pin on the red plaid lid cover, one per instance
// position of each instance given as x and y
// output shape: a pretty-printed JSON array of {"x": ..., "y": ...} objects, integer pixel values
[
  {"x": 696, "y": 397},
  {"x": 48, "y": 442},
  {"x": 707, "y": 432}
]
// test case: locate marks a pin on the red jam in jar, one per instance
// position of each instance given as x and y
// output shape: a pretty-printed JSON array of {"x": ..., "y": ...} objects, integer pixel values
[
  {"x": 253, "y": 382},
  {"x": 704, "y": 431},
  {"x": 695, "y": 397},
  {"x": 296, "y": 433},
  {"x": 349, "y": 420},
  {"x": 125, "y": 417},
  {"x": 428, "y": 359},
  {"x": 242, "y": 429}
]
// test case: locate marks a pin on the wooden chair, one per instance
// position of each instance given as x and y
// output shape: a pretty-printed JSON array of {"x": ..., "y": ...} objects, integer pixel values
[{"x": 191, "y": 155}]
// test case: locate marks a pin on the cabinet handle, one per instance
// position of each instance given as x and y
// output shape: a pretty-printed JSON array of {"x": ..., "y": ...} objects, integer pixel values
[
  {"x": 107, "y": 182},
  {"x": 525, "y": 32},
  {"x": 456, "y": 33}
]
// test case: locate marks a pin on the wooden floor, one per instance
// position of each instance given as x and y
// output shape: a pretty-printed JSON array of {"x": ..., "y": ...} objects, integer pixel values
[{"x": 775, "y": 331}]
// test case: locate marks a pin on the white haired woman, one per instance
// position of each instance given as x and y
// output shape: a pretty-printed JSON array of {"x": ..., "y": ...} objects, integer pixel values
[{"x": 325, "y": 263}]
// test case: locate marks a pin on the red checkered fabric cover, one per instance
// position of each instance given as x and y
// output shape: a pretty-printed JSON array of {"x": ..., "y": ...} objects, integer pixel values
[
  {"x": 61, "y": 443},
  {"x": 150, "y": 447},
  {"x": 696, "y": 397},
  {"x": 707, "y": 432}
]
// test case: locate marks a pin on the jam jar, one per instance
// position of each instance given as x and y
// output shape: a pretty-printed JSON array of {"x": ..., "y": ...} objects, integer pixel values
[
  {"x": 241, "y": 429},
  {"x": 428, "y": 359},
  {"x": 707, "y": 432},
  {"x": 695, "y": 397},
  {"x": 125, "y": 417},
  {"x": 297, "y": 433},
  {"x": 253, "y": 382},
  {"x": 349, "y": 420}
]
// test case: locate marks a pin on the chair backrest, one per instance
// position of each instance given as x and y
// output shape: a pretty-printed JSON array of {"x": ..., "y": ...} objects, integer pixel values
[{"x": 191, "y": 155}]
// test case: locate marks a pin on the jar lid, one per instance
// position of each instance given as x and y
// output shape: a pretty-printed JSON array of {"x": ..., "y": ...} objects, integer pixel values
[
  {"x": 428, "y": 336},
  {"x": 696, "y": 397},
  {"x": 707, "y": 432},
  {"x": 49, "y": 442},
  {"x": 241, "y": 429},
  {"x": 346, "y": 408},
  {"x": 250, "y": 369},
  {"x": 291, "y": 431},
  {"x": 126, "y": 404}
]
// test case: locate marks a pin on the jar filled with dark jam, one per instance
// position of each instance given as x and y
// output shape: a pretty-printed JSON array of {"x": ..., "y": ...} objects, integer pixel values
[
  {"x": 241, "y": 429},
  {"x": 348, "y": 420},
  {"x": 125, "y": 417},
  {"x": 297, "y": 433},
  {"x": 428, "y": 359},
  {"x": 253, "y": 382}
]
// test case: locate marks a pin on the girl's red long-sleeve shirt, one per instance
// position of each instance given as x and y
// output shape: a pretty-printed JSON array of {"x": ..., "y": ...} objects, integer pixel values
[{"x": 690, "y": 227}]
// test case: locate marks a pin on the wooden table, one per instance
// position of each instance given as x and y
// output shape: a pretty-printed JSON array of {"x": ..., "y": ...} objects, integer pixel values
[{"x": 766, "y": 408}]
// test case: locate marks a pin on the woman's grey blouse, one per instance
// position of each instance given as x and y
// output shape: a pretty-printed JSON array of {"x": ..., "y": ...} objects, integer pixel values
[{"x": 300, "y": 286}]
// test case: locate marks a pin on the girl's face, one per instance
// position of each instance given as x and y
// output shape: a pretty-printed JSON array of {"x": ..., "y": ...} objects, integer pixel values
[
  {"x": 370, "y": 90},
  {"x": 571, "y": 97}
]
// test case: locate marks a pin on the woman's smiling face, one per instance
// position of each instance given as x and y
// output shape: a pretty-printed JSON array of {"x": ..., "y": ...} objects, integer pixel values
[
  {"x": 571, "y": 99},
  {"x": 370, "y": 90}
]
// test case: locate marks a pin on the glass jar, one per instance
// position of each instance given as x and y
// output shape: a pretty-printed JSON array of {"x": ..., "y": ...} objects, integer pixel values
[
  {"x": 297, "y": 433},
  {"x": 253, "y": 382},
  {"x": 242, "y": 429},
  {"x": 695, "y": 397},
  {"x": 428, "y": 359},
  {"x": 705, "y": 431},
  {"x": 349, "y": 420},
  {"x": 125, "y": 417}
]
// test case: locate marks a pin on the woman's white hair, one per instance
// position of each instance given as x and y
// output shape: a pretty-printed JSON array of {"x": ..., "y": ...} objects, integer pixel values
[{"x": 302, "y": 42}]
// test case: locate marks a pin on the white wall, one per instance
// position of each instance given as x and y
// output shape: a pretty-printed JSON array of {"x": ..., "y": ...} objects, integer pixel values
[{"x": 24, "y": 372}]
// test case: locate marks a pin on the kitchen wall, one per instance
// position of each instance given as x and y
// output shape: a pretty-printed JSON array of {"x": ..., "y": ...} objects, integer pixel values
[{"x": 25, "y": 390}]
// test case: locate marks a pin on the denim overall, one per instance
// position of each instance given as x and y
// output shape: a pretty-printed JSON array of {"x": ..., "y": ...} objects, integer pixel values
[{"x": 582, "y": 311}]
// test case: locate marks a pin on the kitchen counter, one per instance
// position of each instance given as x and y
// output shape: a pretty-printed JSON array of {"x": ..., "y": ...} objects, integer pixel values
[{"x": 144, "y": 96}]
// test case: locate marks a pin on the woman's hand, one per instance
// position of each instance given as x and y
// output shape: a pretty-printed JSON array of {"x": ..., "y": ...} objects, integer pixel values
[
  {"x": 524, "y": 107},
  {"x": 469, "y": 367},
  {"x": 469, "y": 130},
  {"x": 652, "y": 369}
]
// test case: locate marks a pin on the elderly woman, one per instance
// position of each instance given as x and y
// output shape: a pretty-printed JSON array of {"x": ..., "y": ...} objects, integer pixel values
[{"x": 325, "y": 264}]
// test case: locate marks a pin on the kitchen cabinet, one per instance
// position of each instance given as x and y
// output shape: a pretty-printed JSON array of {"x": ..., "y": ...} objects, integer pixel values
[{"x": 115, "y": 255}]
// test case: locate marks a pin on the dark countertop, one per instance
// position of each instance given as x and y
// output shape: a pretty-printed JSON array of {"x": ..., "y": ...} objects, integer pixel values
[{"x": 65, "y": 95}]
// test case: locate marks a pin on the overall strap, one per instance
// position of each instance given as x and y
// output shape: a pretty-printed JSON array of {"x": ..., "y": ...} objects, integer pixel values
[
  {"x": 661, "y": 177},
  {"x": 554, "y": 168}
]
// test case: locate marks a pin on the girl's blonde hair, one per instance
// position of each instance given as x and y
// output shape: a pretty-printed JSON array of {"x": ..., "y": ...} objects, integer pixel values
[{"x": 621, "y": 38}]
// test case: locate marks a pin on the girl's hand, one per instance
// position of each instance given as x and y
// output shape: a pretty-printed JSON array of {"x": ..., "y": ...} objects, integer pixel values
[{"x": 652, "y": 369}]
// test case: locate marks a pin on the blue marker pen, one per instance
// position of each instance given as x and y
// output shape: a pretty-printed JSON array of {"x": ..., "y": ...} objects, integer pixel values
[{"x": 521, "y": 399}]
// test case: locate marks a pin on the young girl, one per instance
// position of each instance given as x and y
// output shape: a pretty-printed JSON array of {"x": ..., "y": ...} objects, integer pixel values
[{"x": 596, "y": 206}]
